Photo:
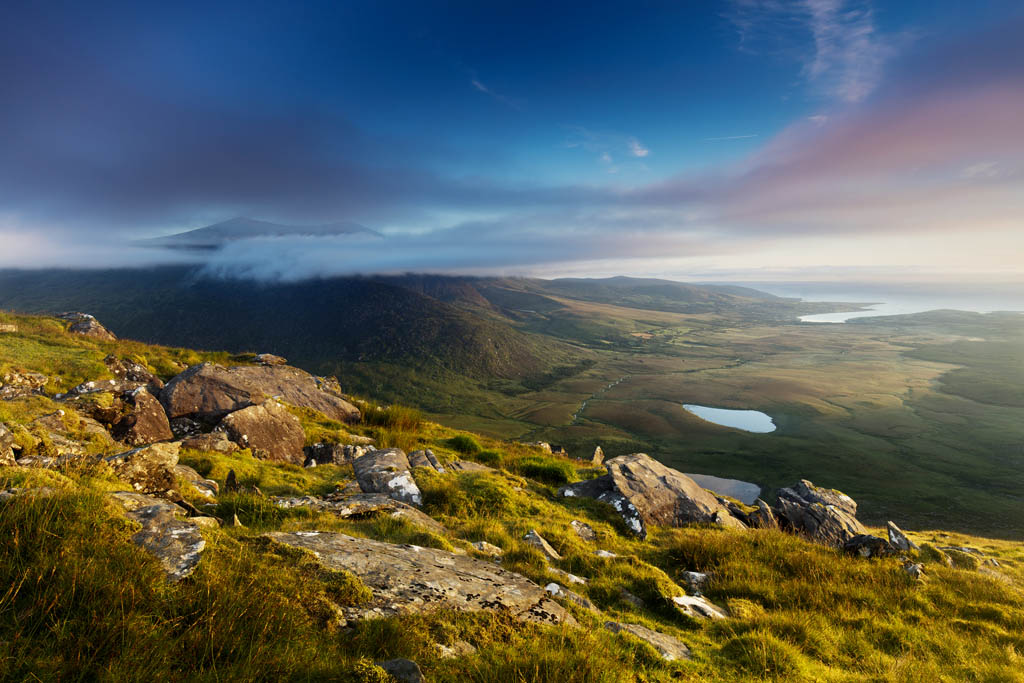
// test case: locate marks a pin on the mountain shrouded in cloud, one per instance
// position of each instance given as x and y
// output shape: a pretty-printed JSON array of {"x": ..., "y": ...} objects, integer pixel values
[{"x": 841, "y": 133}]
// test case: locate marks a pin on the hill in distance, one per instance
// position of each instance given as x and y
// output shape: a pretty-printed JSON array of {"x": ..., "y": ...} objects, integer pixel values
[{"x": 213, "y": 236}]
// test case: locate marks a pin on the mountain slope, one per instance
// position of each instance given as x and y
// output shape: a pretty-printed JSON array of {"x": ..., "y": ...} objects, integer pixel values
[{"x": 213, "y": 236}]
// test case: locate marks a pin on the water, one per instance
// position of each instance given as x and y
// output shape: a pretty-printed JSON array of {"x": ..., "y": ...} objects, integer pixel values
[
  {"x": 743, "y": 491},
  {"x": 747, "y": 420}
]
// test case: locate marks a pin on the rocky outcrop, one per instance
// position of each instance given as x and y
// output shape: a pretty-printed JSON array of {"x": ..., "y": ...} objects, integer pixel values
[
  {"x": 16, "y": 384},
  {"x": 269, "y": 359},
  {"x": 668, "y": 647},
  {"x": 335, "y": 453},
  {"x": 410, "y": 579},
  {"x": 60, "y": 441},
  {"x": 217, "y": 442},
  {"x": 363, "y": 504},
  {"x": 269, "y": 430},
  {"x": 6, "y": 446},
  {"x": 824, "y": 515},
  {"x": 866, "y": 545},
  {"x": 898, "y": 539},
  {"x": 698, "y": 607},
  {"x": 583, "y": 530},
  {"x": 175, "y": 543},
  {"x": 646, "y": 492},
  {"x": 87, "y": 326},
  {"x": 149, "y": 469},
  {"x": 762, "y": 517},
  {"x": 387, "y": 471},
  {"x": 128, "y": 376},
  {"x": 142, "y": 419},
  {"x": 209, "y": 391}
]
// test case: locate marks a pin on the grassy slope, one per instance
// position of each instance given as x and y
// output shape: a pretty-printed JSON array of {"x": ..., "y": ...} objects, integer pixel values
[{"x": 84, "y": 603}]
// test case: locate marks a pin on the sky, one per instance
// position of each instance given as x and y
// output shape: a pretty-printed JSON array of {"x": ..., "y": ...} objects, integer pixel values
[{"x": 742, "y": 139}]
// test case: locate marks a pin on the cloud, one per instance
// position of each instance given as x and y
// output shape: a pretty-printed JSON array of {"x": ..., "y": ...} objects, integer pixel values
[
  {"x": 637, "y": 149},
  {"x": 842, "y": 51},
  {"x": 497, "y": 96}
]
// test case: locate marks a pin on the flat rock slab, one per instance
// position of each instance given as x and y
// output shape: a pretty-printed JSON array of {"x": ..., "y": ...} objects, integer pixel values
[
  {"x": 668, "y": 647},
  {"x": 210, "y": 391},
  {"x": 408, "y": 579},
  {"x": 468, "y": 466},
  {"x": 362, "y": 504},
  {"x": 176, "y": 543}
]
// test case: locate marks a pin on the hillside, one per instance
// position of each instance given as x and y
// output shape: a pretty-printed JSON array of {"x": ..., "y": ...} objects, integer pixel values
[
  {"x": 714, "y": 591},
  {"x": 219, "y": 234}
]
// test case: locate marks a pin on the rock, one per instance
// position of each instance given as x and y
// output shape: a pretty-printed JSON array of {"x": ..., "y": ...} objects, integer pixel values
[
  {"x": 206, "y": 487},
  {"x": 130, "y": 371},
  {"x": 184, "y": 427},
  {"x": 468, "y": 466},
  {"x": 537, "y": 541},
  {"x": 144, "y": 420},
  {"x": 867, "y": 545},
  {"x": 632, "y": 599},
  {"x": 557, "y": 591},
  {"x": 16, "y": 384},
  {"x": 487, "y": 549},
  {"x": 216, "y": 442},
  {"x": 87, "y": 326},
  {"x": 149, "y": 469},
  {"x": 269, "y": 430},
  {"x": 210, "y": 391},
  {"x": 584, "y": 530},
  {"x": 696, "y": 581},
  {"x": 426, "y": 458},
  {"x": 668, "y": 647},
  {"x": 8, "y": 328},
  {"x": 269, "y": 359},
  {"x": 325, "y": 454},
  {"x": 823, "y": 515},
  {"x": 61, "y": 443},
  {"x": 387, "y": 471},
  {"x": 204, "y": 522},
  {"x": 558, "y": 450},
  {"x": 763, "y": 517},
  {"x": 646, "y": 492},
  {"x": 598, "y": 457},
  {"x": 569, "y": 578},
  {"x": 459, "y": 648},
  {"x": 605, "y": 554},
  {"x": 403, "y": 670},
  {"x": 6, "y": 446},
  {"x": 176, "y": 543},
  {"x": 363, "y": 504},
  {"x": 914, "y": 570},
  {"x": 231, "y": 482},
  {"x": 410, "y": 579},
  {"x": 543, "y": 445},
  {"x": 698, "y": 607},
  {"x": 898, "y": 539}
]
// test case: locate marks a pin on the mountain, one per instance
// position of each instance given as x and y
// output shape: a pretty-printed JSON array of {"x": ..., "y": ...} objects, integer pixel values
[{"x": 240, "y": 228}]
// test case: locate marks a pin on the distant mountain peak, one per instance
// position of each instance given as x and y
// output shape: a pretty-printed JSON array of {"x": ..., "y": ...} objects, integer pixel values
[{"x": 243, "y": 227}]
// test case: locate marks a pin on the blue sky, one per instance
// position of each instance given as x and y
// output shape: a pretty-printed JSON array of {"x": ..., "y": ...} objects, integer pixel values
[{"x": 667, "y": 137}]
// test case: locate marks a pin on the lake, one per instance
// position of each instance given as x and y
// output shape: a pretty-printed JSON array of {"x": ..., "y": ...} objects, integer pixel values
[
  {"x": 743, "y": 491},
  {"x": 747, "y": 420}
]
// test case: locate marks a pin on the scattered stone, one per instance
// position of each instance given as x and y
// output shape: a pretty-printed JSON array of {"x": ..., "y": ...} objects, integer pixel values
[
  {"x": 206, "y": 487},
  {"x": 598, "y": 458},
  {"x": 269, "y": 430},
  {"x": 487, "y": 548},
  {"x": 176, "y": 543},
  {"x": 410, "y": 579},
  {"x": 87, "y": 326},
  {"x": 914, "y": 570},
  {"x": 558, "y": 450},
  {"x": 15, "y": 384},
  {"x": 867, "y": 545},
  {"x": 824, "y": 515},
  {"x": 210, "y": 391},
  {"x": 543, "y": 445},
  {"x": 387, "y": 471},
  {"x": 185, "y": 427},
  {"x": 668, "y": 647},
  {"x": 584, "y": 530},
  {"x": 269, "y": 359},
  {"x": 634, "y": 600},
  {"x": 7, "y": 328},
  {"x": 363, "y": 504},
  {"x": 235, "y": 522},
  {"x": 215, "y": 442},
  {"x": 696, "y": 581},
  {"x": 231, "y": 482},
  {"x": 403, "y": 670},
  {"x": 898, "y": 539},
  {"x": 149, "y": 469},
  {"x": 459, "y": 648},
  {"x": 468, "y": 466},
  {"x": 557, "y": 591},
  {"x": 569, "y": 578},
  {"x": 537, "y": 541},
  {"x": 698, "y": 607},
  {"x": 205, "y": 522},
  {"x": 426, "y": 458},
  {"x": 646, "y": 492},
  {"x": 6, "y": 447},
  {"x": 605, "y": 554}
]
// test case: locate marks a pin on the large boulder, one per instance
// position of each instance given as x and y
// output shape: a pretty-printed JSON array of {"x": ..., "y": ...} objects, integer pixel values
[
  {"x": 6, "y": 446},
  {"x": 387, "y": 471},
  {"x": 823, "y": 515},
  {"x": 646, "y": 492},
  {"x": 87, "y": 326},
  {"x": 269, "y": 430},
  {"x": 210, "y": 391},
  {"x": 408, "y": 579},
  {"x": 142, "y": 419},
  {"x": 149, "y": 469},
  {"x": 175, "y": 543}
]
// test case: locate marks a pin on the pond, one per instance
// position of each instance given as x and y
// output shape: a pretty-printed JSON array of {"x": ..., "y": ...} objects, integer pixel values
[
  {"x": 743, "y": 491},
  {"x": 747, "y": 420}
]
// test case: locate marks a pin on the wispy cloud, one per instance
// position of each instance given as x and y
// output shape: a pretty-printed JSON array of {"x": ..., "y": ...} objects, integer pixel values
[
  {"x": 844, "y": 52},
  {"x": 731, "y": 137},
  {"x": 636, "y": 148},
  {"x": 515, "y": 104}
]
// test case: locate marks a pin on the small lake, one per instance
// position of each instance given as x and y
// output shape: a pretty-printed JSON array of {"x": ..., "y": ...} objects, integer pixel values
[
  {"x": 747, "y": 420},
  {"x": 743, "y": 491}
]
